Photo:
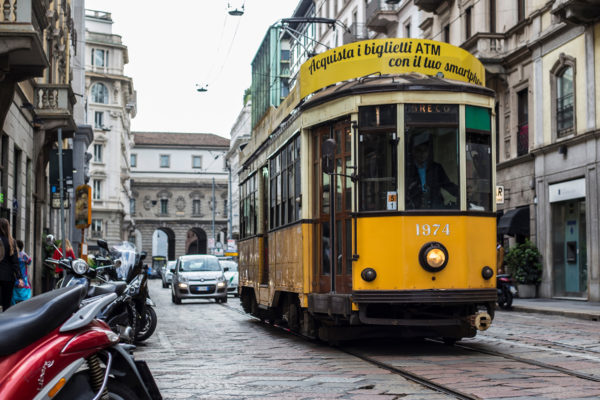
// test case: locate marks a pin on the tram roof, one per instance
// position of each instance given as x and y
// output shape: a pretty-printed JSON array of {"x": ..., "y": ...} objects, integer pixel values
[{"x": 393, "y": 83}]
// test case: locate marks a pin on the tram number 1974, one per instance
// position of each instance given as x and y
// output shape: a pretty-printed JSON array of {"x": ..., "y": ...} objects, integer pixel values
[{"x": 433, "y": 229}]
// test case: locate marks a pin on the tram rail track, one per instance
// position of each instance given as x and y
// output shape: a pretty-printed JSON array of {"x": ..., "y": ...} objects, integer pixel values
[{"x": 430, "y": 383}]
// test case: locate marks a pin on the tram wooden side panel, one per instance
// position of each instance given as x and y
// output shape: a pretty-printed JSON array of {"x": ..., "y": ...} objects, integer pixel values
[{"x": 285, "y": 261}]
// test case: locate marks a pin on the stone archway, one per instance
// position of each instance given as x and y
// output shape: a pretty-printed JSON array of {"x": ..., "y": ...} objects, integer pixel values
[
  {"x": 195, "y": 241},
  {"x": 163, "y": 241}
]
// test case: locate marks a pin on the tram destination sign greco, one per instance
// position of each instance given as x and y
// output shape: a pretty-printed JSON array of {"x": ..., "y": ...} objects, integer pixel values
[{"x": 389, "y": 56}]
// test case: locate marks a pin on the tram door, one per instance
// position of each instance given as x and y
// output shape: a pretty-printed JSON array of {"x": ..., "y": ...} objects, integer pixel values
[{"x": 333, "y": 259}]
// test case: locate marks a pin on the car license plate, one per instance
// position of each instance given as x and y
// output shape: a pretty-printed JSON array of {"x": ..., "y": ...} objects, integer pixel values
[{"x": 201, "y": 288}]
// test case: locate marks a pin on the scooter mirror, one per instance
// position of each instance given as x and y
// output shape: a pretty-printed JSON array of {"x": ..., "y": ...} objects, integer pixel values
[
  {"x": 50, "y": 239},
  {"x": 102, "y": 243}
]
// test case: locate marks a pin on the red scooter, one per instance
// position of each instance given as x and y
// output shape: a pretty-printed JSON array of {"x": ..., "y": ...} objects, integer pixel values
[{"x": 53, "y": 347}]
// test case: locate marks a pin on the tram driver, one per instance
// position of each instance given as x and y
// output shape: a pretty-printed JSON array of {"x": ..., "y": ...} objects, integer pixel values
[{"x": 426, "y": 178}]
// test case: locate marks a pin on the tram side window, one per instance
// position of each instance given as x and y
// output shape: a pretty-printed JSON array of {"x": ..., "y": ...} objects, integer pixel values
[
  {"x": 479, "y": 158},
  {"x": 284, "y": 204},
  {"x": 377, "y": 156},
  {"x": 248, "y": 197},
  {"x": 431, "y": 157}
]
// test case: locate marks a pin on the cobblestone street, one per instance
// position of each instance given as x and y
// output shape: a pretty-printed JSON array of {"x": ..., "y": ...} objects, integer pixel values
[{"x": 202, "y": 350}]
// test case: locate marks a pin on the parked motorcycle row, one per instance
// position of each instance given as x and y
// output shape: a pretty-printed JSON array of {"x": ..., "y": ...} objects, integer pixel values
[{"x": 77, "y": 341}]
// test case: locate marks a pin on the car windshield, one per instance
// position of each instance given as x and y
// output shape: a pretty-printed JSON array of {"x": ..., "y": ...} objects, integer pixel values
[
  {"x": 232, "y": 265},
  {"x": 200, "y": 264}
]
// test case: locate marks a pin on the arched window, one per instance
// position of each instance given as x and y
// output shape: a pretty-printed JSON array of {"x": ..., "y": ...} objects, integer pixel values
[
  {"x": 562, "y": 88},
  {"x": 100, "y": 93},
  {"x": 565, "y": 96}
]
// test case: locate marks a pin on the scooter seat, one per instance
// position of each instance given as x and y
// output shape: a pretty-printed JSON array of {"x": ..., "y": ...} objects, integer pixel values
[
  {"x": 28, "y": 321},
  {"x": 98, "y": 290}
]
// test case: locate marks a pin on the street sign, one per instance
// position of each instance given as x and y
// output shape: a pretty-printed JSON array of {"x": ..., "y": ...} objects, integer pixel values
[
  {"x": 55, "y": 201},
  {"x": 67, "y": 160},
  {"x": 499, "y": 194}
]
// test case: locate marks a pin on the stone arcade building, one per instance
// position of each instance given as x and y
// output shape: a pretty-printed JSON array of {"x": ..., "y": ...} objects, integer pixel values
[{"x": 174, "y": 179}]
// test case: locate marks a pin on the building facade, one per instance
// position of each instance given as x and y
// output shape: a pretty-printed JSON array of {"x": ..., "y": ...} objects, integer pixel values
[
  {"x": 38, "y": 42},
  {"x": 179, "y": 192},
  {"x": 111, "y": 103},
  {"x": 240, "y": 134}
]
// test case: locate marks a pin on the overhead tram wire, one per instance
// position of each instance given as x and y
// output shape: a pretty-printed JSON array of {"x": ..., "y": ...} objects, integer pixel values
[{"x": 212, "y": 77}]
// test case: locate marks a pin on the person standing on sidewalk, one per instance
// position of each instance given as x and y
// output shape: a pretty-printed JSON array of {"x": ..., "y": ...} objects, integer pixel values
[
  {"x": 9, "y": 264},
  {"x": 22, "y": 293}
]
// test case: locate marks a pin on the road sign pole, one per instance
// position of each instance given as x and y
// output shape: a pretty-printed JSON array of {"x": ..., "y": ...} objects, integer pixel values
[{"x": 61, "y": 189}]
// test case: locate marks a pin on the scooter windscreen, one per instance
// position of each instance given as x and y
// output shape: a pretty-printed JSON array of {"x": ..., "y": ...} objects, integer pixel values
[{"x": 128, "y": 255}]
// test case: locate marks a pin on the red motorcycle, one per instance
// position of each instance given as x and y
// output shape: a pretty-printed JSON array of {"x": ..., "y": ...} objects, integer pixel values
[{"x": 53, "y": 347}]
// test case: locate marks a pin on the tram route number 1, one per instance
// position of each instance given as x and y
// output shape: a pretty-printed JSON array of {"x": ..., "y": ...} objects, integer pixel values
[{"x": 433, "y": 229}]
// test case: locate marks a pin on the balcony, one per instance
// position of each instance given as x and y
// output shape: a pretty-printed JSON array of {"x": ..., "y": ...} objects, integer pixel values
[
  {"x": 21, "y": 50},
  {"x": 53, "y": 106},
  {"x": 489, "y": 49},
  {"x": 381, "y": 16},
  {"x": 431, "y": 5},
  {"x": 357, "y": 32},
  {"x": 578, "y": 12}
]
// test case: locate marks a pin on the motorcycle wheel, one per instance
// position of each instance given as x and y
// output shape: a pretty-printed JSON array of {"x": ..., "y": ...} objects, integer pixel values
[
  {"x": 120, "y": 391},
  {"x": 147, "y": 325},
  {"x": 505, "y": 301}
]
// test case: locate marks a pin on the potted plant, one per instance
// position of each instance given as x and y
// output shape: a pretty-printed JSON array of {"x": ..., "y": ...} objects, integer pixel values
[{"x": 523, "y": 261}]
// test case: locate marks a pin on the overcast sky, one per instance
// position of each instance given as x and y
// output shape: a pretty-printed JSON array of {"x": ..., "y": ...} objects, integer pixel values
[{"x": 177, "y": 44}]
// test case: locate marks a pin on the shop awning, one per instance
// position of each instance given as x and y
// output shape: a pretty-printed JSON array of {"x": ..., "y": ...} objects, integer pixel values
[{"x": 514, "y": 222}]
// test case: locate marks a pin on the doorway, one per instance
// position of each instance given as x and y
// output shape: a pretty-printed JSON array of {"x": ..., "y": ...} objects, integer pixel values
[{"x": 569, "y": 246}]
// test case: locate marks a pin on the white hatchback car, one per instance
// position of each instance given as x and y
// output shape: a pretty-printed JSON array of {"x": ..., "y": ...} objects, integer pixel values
[
  {"x": 198, "y": 276},
  {"x": 231, "y": 275}
]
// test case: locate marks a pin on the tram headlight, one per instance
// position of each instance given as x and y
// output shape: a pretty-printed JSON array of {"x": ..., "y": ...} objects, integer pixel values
[
  {"x": 487, "y": 272},
  {"x": 433, "y": 257},
  {"x": 368, "y": 274}
]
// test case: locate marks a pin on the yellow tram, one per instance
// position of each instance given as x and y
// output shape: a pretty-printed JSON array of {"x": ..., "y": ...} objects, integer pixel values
[{"x": 366, "y": 198}]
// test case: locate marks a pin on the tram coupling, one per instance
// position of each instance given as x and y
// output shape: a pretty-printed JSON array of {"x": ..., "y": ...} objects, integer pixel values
[{"x": 481, "y": 320}]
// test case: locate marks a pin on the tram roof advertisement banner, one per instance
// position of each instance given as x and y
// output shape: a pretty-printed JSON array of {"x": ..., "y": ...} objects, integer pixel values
[{"x": 389, "y": 56}]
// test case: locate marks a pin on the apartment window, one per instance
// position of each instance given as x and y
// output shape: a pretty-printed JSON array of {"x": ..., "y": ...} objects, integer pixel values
[
  {"x": 523, "y": 123},
  {"x": 447, "y": 33},
  {"x": 468, "y": 22},
  {"x": 407, "y": 29},
  {"x": 133, "y": 160},
  {"x": 164, "y": 206},
  {"x": 520, "y": 10},
  {"x": 100, "y": 93},
  {"x": 100, "y": 58},
  {"x": 98, "y": 119},
  {"x": 196, "y": 206},
  {"x": 165, "y": 161},
  {"x": 132, "y": 206},
  {"x": 98, "y": 153},
  {"x": 565, "y": 96},
  {"x": 492, "y": 15},
  {"x": 196, "y": 161},
  {"x": 96, "y": 228},
  {"x": 97, "y": 189}
]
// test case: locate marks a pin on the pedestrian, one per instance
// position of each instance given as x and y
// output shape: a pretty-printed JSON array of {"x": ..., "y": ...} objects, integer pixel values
[
  {"x": 9, "y": 264},
  {"x": 58, "y": 255},
  {"x": 22, "y": 293},
  {"x": 499, "y": 258}
]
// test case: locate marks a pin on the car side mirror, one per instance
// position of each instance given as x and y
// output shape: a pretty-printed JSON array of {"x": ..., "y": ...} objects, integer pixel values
[
  {"x": 225, "y": 269},
  {"x": 172, "y": 269}
]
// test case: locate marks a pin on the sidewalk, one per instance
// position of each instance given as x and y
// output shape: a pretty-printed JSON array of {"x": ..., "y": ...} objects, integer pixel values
[{"x": 568, "y": 308}]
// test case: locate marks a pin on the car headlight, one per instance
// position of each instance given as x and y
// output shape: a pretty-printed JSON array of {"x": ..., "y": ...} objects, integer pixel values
[
  {"x": 433, "y": 256},
  {"x": 182, "y": 285},
  {"x": 220, "y": 284},
  {"x": 79, "y": 266}
]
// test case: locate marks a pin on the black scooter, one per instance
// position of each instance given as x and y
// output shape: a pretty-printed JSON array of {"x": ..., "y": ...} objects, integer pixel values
[{"x": 506, "y": 291}]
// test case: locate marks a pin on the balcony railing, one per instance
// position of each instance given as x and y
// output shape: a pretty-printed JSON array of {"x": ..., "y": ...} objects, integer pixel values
[
  {"x": 54, "y": 105},
  {"x": 21, "y": 25},
  {"x": 358, "y": 31},
  {"x": 380, "y": 15}
]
